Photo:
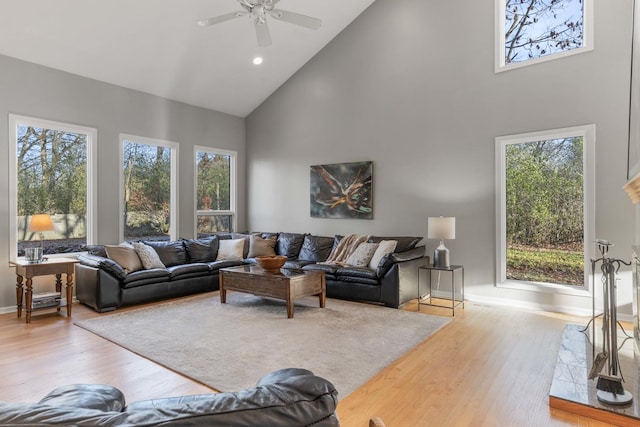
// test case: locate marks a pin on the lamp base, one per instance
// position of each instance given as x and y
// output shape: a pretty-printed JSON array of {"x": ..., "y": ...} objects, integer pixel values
[
  {"x": 33, "y": 255},
  {"x": 441, "y": 256}
]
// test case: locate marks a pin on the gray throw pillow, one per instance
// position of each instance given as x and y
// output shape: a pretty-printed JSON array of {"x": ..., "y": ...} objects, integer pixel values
[
  {"x": 362, "y": 255},
  {"x": 261, "y": 247},
  {"x": 148, "y": 256}
]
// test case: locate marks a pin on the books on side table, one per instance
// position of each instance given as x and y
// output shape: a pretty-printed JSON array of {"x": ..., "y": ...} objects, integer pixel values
[{"x": 45, "y": 300}]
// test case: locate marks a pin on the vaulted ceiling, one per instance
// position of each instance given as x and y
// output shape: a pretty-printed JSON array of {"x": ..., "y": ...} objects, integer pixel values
[{"x": 155, "y": 46}]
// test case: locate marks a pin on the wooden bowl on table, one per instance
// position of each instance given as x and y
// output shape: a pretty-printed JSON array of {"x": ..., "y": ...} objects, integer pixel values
[{"x": 271, "y": 263}]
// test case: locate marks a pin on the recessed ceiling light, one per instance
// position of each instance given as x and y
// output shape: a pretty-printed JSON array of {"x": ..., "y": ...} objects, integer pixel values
[{"x": 257, "y": 60}]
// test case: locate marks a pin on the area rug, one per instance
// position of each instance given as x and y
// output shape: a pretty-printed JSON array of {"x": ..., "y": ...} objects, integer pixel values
[{"x": 230, "y": 346}]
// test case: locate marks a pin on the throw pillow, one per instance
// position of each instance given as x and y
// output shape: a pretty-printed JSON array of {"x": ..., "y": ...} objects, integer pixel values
[
  {"x": 202, "y": 250},
  {"x": 124, "y": 255},
  {"x": 362, "y": 255},
  {"x": 231, "y": 250},
  {"x": 384, "y": 247},
  {"x": 261, "y": 247},
  {"x": 148, "y": 256}
]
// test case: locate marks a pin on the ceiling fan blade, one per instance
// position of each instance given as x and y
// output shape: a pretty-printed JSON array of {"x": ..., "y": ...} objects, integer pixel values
[
  {"x": 296, "y": 18},
  {"x": 221, "y": 18},
  {"x": 262, "y": 32}
]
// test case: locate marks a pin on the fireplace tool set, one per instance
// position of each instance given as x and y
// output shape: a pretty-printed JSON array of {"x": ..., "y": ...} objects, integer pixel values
[{"x": 609, "y": 384}]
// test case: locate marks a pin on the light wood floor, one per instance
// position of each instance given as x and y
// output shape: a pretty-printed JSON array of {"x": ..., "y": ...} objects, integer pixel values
[{"x": 491, "y": 366}]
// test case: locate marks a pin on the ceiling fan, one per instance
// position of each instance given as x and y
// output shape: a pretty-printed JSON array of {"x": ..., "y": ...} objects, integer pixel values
[{"x": 258, "y": 10}]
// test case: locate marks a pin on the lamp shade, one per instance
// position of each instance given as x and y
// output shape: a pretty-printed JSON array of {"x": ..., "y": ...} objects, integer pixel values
[
  {"x": 441, "y": 228},
  {"x": 40, "y": 223}
]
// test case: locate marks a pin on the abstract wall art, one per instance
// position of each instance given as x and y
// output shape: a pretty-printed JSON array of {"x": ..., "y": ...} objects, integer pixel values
[{"x": 342, "y": 190}]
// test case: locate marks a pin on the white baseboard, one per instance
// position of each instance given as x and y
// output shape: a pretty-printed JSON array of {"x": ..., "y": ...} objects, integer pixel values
[{"x": 527, "y": 305}]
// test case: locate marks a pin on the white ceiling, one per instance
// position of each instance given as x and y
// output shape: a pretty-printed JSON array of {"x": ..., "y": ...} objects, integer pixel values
[{"x": 155, "y": 46}]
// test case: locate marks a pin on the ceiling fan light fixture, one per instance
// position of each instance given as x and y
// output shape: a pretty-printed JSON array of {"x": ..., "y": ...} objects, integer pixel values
[{"x": 258, "y": 11}]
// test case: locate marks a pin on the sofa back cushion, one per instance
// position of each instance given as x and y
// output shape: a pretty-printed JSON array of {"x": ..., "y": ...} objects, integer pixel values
[
  {"x": 289, "y": 244},
  {"x": 170, "y": 253},
  {"x": 202, "y": 250},
  {"x": 315, "y": 248}
]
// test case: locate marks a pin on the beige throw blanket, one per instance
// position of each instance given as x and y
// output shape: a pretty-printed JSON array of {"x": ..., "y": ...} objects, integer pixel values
[{"x": 345, "y": 247}]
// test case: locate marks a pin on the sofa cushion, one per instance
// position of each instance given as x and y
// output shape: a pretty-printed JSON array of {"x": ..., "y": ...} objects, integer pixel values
[
  {"x": 289, "y": 244},
  {"x": 405, "y": 243},
  {"x": 148, "y": 256},
  {"x": 231, "y": 250},
  {"x": 202, "y": 250},
  {"x": 259, "y": 246},
  {"x": 144, "y": 277},
  {"x": 359, "y": 280},
  {"x": 188, "y": 270},
  {"x": 315, "y": 248},
  {"x": 348, "y": 271},
  {"x": 124, "y": 255},
  {"x": 362, "y": 255},
  {"x": 329, "y": 269},
  {"x": 217, "y": 265},
  {"x": 170, "y": 253},
  {"x": 384, "y": 247}
]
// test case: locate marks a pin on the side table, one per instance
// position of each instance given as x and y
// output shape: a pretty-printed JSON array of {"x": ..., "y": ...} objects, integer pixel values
[
  {"x": 457, "y": 280},
  {"x": 28, "y": 270}
]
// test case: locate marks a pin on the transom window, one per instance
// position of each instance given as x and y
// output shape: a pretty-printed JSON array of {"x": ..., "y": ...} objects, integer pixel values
[
  {"x": 215, "y": 190},
  {"x": 545, "y": 208},
  {"x": 148, "y": 188},
  {"x": 52, "y": 171},
  {"x": 532, "y": 31}
]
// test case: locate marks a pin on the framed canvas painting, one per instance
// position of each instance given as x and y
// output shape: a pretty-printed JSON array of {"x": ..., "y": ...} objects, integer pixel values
[{"x": 342, "y": 190}]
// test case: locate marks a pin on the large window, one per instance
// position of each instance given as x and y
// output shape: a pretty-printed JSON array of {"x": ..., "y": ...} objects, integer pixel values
[
  {"x": 148, "y": 188},
  {"x": 545, "y": 221},
  {"x": 215, "y": 190},
  {"x": 531, "y": 31},
  {"x": 52, "y": 169}
]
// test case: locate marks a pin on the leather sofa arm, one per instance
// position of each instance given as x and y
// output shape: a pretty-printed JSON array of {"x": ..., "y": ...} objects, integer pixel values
[
  {"x": 106, "y": 264},
  {"x": 414, "y": 253},
  {"x": 396, "y": 257}
]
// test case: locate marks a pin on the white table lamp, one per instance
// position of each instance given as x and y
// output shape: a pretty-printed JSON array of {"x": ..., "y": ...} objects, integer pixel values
[{"x": 441, "y": 228}]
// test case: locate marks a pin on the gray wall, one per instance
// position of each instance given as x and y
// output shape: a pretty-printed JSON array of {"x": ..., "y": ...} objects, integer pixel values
[
  {"x": 411, "y": 86},
  {"x": 41, "y": 92}
]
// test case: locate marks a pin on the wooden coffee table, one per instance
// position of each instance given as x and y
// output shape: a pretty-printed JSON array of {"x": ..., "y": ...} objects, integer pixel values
[{"x": 288, "y": 285}]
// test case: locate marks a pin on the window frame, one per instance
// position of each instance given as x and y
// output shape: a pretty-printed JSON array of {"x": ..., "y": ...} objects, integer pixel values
[
  {"x": 173, "y": 178},
  {"x": 92, "y": 173},
  {"x": 233, "y": 170},
  {"x": 588, "y": 134},
  {"x": 500, "y": 19}
]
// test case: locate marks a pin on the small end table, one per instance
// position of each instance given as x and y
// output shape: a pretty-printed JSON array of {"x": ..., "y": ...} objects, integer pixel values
[
  {"x": 52, "y": 266},
  {"x": 457, "y": 279}
]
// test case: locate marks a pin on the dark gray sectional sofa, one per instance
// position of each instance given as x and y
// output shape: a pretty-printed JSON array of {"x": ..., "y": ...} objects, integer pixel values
[
  {"x": 282, "y": 398},
  {"x": 191, "y": 267}
]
